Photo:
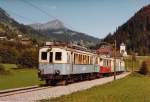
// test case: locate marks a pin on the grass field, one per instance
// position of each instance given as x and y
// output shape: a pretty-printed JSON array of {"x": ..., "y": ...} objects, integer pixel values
[
  {"x": 134, "y": 88},
  {"x": 136, "y": 64},
  {"x": 18, "y": 77}
]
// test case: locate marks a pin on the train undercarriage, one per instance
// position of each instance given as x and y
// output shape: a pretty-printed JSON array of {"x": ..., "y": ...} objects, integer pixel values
[{"x": 67, "y": 79}]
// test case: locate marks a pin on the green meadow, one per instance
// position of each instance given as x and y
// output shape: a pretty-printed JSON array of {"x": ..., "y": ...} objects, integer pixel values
[
  {"x": 16, "y": 77},
  {"x": 135, "y": 64},
  {"x": 133, "y": 88}
]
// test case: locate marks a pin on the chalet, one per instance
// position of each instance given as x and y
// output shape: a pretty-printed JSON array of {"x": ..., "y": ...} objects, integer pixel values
[
  {"x": 26, "y": 41},
  {"x": 12, "y": 40},
  {"x": 108, "y": 51},
  {"x": 105, "y": 50},
  {"x": 20, "y": 36},
  {"x": 3, "y": 38}
]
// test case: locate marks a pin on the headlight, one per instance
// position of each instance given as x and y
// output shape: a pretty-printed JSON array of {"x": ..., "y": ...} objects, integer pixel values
[
  {"x": 57, "y": 72},
  {"x": 41, "y": 71}
]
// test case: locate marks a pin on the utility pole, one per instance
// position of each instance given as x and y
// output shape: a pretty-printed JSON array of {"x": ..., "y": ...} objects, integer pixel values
[
  {"x": 66, "y": 40},
  {"x": 132, "y": 63},
  {"x": 133, "y": 60},
  {"x": 115, "y": 60},
  {"x": 114, "y": 55}
]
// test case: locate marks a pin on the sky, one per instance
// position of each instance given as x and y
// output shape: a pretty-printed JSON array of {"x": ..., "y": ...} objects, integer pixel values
[{"x": 94, "y": 17}]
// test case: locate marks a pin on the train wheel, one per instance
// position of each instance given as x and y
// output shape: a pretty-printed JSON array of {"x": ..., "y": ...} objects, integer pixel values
[
  {"x": 64, "y": 82},
  {"x": 47, "y": 82},
  {"x": 51, "y": 82}
]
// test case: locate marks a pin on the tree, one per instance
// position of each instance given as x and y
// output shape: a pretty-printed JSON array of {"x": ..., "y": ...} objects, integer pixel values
[
  {"x": 1, "y": 68},
  {"x": 144, "y": 68},
  {"x": 8, "y": 55},
  {"x": 28, "y": 59}
]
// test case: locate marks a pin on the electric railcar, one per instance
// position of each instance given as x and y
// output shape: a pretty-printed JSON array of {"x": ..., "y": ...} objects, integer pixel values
[{"x": 59, "y": 63}]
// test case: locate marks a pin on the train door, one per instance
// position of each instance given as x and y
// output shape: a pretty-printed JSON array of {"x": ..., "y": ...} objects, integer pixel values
[{"x": 51, "y": 57}]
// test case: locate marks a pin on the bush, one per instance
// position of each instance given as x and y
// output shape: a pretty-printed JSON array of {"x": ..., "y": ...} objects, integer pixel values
[
  {"x": 28, "y": 59},
  {"x": 8, "y": 55},
  {"x": 144, "y": 68},
  {"x": 25, "y": 56},
  {"x": 2, "y": 70}
]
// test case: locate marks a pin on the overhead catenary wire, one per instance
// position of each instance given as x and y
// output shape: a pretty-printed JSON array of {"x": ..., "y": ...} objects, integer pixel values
[
  {"x": 46, "y": 13},
  {"x": 18, "y": 15},
  {"x": 43, "y": 11},
  {"x": 51, "y": 16}
]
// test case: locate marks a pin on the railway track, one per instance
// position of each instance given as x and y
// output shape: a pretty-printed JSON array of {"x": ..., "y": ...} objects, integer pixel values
[
  {"x": 35, "y": 93},
  {"x": 9, "y": 92},
  {"x": 14, "y": 91}
]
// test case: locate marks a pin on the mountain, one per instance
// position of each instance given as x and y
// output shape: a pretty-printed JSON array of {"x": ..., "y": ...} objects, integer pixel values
[
  {"x": 57, "y": 31},
  {"x": 11, "y": 28},
  {"x": 54, "y": 25},
  {"x": 50, "y": 31},
  {"x": 135, "y": 33}
]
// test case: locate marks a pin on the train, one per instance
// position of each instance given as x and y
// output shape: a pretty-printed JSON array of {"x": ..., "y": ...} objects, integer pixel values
[{"x": 58, "y": 63}]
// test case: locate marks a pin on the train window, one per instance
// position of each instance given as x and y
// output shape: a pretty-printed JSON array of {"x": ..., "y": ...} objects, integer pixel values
[
  {"x": 88, "y": 60},
  {"x": 83, "y": 59},
  {"x": 58, "y": 56},
  {"x": 44, "y": 55},
  {"x": 80, "y": 59},
  {"x": 68, "y": 57},
  {"x": 105, "y": 62},
  {"x": 100, "y": 59},
  {"x": 75, "y": 58},
  {"x": 96, "y": 60},
  {"x": 91, "y": 61}
]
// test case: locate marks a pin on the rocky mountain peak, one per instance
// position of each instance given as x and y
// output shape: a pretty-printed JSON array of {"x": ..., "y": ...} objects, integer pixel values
[{"x": 54, "y": 24}]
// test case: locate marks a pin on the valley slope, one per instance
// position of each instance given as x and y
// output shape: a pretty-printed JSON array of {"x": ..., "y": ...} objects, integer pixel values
[{"x": 135, "y": 33}]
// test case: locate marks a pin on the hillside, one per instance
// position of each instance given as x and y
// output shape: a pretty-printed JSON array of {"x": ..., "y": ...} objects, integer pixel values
[
  {"x": 57, "y": 31},
  {"x": 50, "y": 31},
  {"x": 135, "y": 33},
  {"x": 11, "y": 28}
]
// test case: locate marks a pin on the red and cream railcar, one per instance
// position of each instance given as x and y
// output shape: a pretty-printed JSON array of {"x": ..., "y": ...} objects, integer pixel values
[{"x": 106, "y": 64}]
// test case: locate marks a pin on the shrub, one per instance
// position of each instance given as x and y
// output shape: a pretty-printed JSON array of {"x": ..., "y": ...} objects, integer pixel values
[
  {"x": 144, "y": 68},
  {"x": 2, "y": 70},
  {"x": 8, "y": 55},
  {"x": 28, "y": 59}
]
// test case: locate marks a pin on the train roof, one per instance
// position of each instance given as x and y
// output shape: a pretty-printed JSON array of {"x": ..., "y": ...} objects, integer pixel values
[{"x": 72, "y": 48}]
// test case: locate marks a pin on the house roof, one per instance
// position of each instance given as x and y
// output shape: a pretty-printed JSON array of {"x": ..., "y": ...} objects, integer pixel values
[{"x": 105, "y": 50}]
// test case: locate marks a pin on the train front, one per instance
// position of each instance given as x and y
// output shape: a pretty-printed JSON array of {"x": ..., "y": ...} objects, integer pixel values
[{"x": 52, "y": 63}]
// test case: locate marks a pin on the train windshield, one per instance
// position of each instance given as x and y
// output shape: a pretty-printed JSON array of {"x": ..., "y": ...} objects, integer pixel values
[
  {"x": 58, "y": 56},
  {"x": 44, "y": 55}
]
